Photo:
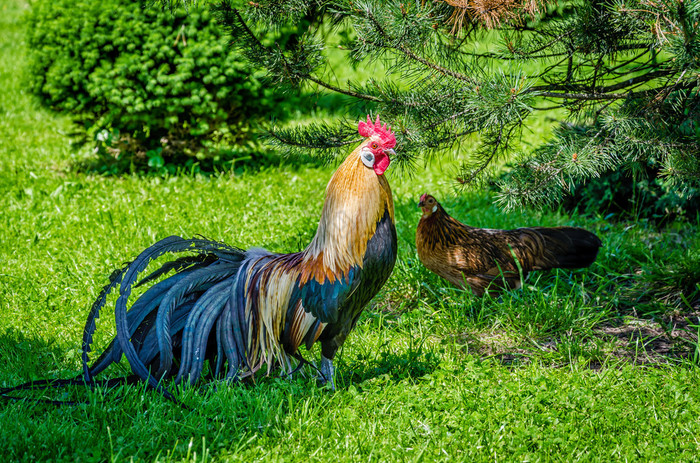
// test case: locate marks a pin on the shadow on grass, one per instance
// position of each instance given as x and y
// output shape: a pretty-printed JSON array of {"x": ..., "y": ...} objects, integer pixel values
[
  {"x": 638, "y": 303},
  {"x": 25, "y": 358},
  {"x": 397, "y": 366},
  {"x": 33, "y": 360},
  {"x": 225, "y": 161}
]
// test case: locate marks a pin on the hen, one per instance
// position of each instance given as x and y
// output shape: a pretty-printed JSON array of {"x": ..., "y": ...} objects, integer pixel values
[
  {"x": 492, "y": 260},
  {"x": 242, "y": 310}
]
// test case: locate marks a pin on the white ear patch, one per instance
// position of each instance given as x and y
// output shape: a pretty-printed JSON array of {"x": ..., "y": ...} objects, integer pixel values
[
  {"x": 367, "y": 157},
  {"x": 434, "y": 208}
]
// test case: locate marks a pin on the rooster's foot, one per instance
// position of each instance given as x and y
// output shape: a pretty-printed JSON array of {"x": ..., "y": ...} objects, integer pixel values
[{"x": 326, "y": 373}]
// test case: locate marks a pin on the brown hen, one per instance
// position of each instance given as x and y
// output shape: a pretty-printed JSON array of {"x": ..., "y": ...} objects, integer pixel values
[{"x": 487, "y": 259}]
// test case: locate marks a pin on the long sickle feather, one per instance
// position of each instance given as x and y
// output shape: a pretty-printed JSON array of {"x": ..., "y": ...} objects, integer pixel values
[
  {"x": 178, "y": 265},
  {"x": 91, "y": 324},
  {"x": 208, "y": 307},
  {"x": 138, "y": 312},
  {"x": 228, "y": 342},
  {"x": 208, "y": 318},
  {"x": 147, "y": 342},
  {"x": 198, "y": 280},
  {"x": 169, "y": 244}
]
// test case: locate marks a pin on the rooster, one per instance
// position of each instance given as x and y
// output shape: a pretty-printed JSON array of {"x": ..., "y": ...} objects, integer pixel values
[
  {"x": 492, "y": 260},
  {"x": 242, "y": 310}
]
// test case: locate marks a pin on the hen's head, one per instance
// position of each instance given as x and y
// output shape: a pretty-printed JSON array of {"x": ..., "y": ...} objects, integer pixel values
[
  {"x": 380, "y": 142},
  {"x": 428, "y": 204}
]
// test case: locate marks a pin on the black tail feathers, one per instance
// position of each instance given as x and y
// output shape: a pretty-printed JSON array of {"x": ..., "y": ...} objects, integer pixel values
[{"x": 569, "y": 247}]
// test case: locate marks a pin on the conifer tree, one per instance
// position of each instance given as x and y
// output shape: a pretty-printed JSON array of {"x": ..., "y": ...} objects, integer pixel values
[{"x": 621, "y": 76}]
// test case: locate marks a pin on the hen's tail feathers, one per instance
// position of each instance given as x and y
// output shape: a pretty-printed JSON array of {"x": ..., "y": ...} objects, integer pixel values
[
  {"x": 568, "y": 247},
  {"x": 179, "y": 311}
]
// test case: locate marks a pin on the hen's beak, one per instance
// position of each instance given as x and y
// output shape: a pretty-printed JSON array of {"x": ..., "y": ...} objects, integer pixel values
[{"x": 421, "y": 201}]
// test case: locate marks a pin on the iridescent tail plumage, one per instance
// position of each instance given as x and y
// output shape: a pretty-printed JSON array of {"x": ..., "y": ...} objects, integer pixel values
[{"x": 202, "y": 312}]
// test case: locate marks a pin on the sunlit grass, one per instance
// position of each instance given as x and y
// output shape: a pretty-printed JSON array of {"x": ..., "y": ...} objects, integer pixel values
[{"x": 554, "y": 371}]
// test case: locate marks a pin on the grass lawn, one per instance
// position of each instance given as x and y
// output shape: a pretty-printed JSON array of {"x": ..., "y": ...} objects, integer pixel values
[{"x": 590, "y": 365}]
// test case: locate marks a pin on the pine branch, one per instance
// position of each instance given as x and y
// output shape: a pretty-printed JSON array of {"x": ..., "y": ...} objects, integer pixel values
[
  {"x": 410, "y": 54},
  {"x": 595, "y": 91},
  {"x": 496, "y": 146},
  {"x": 260, "y": 48},
  {"x": 628, "y": 78},
  {"x": 333, "y": 88},
  {"x": 327, "y": 138},
  {"x": 618, "y": 96}
]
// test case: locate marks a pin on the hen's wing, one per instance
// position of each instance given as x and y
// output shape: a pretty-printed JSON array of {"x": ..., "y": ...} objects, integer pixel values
[
  {"x": 493, "y": 259},
  {"x": 497, "y": 259}
]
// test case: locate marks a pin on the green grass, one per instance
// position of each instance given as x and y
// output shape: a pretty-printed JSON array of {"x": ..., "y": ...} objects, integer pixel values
[{"x": 590, "y": 365}]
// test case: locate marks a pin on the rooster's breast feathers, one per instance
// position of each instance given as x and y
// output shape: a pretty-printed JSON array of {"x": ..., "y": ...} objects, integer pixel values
[{"x": 354, "y": 243}]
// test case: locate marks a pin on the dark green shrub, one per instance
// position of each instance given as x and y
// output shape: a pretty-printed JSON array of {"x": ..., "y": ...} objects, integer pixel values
[
  {"x": 152, "y": 87},
  {"x": 633, "y": 194}
]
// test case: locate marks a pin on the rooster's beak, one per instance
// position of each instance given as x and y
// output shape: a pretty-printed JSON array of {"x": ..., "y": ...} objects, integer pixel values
[{"x": 390, "y": 152}]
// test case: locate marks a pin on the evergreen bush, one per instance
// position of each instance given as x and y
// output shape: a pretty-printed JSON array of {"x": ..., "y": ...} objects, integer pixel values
[{"x": 152, "y": 87}]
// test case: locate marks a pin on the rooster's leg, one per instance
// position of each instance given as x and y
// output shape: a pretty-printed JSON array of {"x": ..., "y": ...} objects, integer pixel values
[{"x": 326, "y": 376}]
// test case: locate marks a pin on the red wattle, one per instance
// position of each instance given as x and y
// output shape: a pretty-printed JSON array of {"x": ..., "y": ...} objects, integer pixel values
[{"x": 381, "y": 163}]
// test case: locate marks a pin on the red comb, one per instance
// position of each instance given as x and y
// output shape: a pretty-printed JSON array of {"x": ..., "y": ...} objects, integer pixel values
[
  {"x": 369, "y": 128},
  {"x": 423, "y": 197}
]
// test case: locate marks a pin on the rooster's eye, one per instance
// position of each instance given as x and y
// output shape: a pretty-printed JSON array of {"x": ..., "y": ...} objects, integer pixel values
[{"x": 374, "y": 145}]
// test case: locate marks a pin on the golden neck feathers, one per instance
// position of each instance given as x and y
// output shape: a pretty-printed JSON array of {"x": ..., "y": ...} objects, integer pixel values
[{"x": 356, "y": 199}]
